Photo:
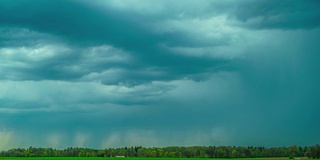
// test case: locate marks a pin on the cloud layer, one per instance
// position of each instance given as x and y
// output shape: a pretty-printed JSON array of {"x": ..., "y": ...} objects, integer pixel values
[{"x": 125, "y": 73}]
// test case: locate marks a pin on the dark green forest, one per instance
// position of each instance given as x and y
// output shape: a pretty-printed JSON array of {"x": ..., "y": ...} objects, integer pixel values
[{"x": 170, "y": 152}]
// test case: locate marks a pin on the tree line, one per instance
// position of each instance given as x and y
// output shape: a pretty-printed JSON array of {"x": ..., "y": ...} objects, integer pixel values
[{"x": 170, "y": 152}]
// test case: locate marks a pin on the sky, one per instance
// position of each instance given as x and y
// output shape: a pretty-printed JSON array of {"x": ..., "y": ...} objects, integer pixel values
[{"x": 116, "y": 73}]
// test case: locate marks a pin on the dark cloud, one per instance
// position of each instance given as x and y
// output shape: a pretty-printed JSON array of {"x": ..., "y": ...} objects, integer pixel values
[
  {"x": 77, "y": 27},
  {"x": 278, "y": 14}
]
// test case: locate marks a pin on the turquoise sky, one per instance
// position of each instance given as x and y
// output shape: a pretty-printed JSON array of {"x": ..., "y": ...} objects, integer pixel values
[{"x": 114, "y": 73}]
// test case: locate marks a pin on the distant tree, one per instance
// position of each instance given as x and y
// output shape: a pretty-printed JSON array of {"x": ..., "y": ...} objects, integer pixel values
[
  {"x": 173, "y": 152},
  {"x": 317, "y": 149},
  {"x": 159, "y": 152},
  {"x": 292, "y": 151},
  {"x": 100, "y": 153},
  {"x": 313, "y": 152},
  {"x": 222, "y": 153},
  {"x": 234, "y": 153}
]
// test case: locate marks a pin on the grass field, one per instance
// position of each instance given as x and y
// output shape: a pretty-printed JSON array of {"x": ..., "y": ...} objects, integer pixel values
[{"x": 99, "y": 158}]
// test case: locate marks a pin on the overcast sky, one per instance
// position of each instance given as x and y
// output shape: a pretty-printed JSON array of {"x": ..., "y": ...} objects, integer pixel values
[{"x": 113, "y": 73}]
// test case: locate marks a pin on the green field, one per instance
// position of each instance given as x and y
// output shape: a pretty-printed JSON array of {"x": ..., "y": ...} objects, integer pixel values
[{"x": 99, "y": 158}]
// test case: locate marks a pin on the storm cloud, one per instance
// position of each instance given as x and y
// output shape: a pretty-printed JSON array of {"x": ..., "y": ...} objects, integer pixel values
[{"x": 127, "y": 73}]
